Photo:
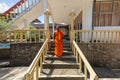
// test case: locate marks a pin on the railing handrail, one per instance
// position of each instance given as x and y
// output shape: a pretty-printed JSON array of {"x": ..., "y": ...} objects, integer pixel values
[
  {"x": 86, "y": 63},
  {"x": 96, "y": 30},
  {"x": 34, "y": 62},
  {"x": 16, "y": 36},
  {"x": 18, "y": 10},
  {"x": 14, "y": 7},
  {"x": 31, "y": 30},
  {"x": 95, "y": 36}
]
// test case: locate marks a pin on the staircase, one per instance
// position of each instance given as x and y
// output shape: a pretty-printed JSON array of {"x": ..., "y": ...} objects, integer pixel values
[
  {"x": 23, "y": 12},
  {"x": 61, "y": 68}
]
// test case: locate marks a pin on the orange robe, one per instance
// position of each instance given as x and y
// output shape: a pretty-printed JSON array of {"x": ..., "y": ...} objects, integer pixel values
[{"x": 58, "y": 43}]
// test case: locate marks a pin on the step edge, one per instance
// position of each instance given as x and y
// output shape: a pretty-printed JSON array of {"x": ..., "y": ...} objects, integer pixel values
[
  {"x": 63, "y": 76},
  {"x": 60, "y": 57},
  {"x": 60, "y": 64}
]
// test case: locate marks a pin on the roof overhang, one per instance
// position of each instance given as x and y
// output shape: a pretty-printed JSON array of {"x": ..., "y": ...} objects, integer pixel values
[{"x": 60, "y": 9}]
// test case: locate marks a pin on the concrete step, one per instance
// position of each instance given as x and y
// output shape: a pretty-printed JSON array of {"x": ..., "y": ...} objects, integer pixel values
[
  {"x": 64, "y": 45},
  {"x": 61, "y": 65},
  {"x": 61, "y": 74},
  {"x": 64, "y": 53},
  {"x": 64, "y": 42},
  {"x": 61, "y": 77},
  {"x": 52, "y": 61},
  {"x": 65, "y": 49},
  {"x": 50, "y": 57}
]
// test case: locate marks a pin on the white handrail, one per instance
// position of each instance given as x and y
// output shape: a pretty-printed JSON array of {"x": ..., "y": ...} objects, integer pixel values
[
  {"x": 34, "y": 65},
  {"x": 79, "y": 54},
  {"x": 95, "y": 36},
  {"x": 17, "y": 36}
]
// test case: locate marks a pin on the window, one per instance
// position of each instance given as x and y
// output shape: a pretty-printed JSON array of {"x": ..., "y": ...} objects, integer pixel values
[
  {"x": 78, "y": 22},
  {"x": 106, "y": 13}
]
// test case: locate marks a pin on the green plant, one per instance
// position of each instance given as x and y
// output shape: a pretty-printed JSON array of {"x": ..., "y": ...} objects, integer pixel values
[
  {"x": 32, "y": 27},
  {"x": 4, "y": 25}
]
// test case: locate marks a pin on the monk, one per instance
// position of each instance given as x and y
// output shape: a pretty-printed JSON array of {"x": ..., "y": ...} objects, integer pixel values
[{"x": 58, "y": 36}]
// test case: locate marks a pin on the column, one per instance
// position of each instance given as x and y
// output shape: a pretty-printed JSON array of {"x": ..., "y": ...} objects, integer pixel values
[
  {"x": 72, "y": 16},
  {"x": 47, "y": 13},
  {"x": 53, "y": 25},
  {"x": 46, "y": 23}
]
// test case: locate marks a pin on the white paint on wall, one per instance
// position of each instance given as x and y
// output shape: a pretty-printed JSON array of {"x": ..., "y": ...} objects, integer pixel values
[{"x": 87, "y": 14}]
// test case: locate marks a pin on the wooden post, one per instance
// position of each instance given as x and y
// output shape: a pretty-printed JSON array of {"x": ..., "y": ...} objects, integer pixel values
[
  {"x": 96, "y": 36},
  {"x": 108, "y": 36},
  {"x": 88, "y": 36},
  {"x": 92, "y": 36},
  {"x": 14, "y": 13},
  {"x": 37, "y": 71},
  {"x": 27, "y": 76},
  {"x": 80, "y": 61},
  {"x": 112, "y": 37},
  {"x": 85, "y": 72},
  {"x": 21, "y": 7},
  {"x": 7, "y": 16},
  {"x": 18, "y": 10},
  {"x": 21, "y": 36},
  {"x": 117, "y": 36},
  {"x": 10, "y": 14},
  {"x": 40, "y": 63},
  {"x": 30, "y": 36},
  {"x": 80, "y": 36},
  {"x": 84, "y": 36},
  {"x": 25, "y": 4},
  {"x": 105, "y": 37},
  {"x": 14, "y": 36},
  {"x": 77, "y": 60},
  {"x": 100, "y": 36}
]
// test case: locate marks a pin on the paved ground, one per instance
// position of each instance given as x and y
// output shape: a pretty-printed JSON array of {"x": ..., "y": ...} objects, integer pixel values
[
  {"x": 104, "y": 72},
  {"x": 107, "y": 74},
  {"x": 17, "y": 73},
  {"x": 4, "y": 63},
  {"x": 12, "y": 73}
]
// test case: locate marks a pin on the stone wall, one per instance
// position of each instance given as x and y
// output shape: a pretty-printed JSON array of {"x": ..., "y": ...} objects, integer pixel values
[
  {"x": 101, "y": 54},
  {"x": 4, "y": 53},
  {"x": 22, "y": 54}
]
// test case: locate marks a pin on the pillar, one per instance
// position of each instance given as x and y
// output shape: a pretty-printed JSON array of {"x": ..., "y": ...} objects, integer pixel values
[
  {"x": 47, "y": 13},
  {"x": 46, "y": 24},
  {"x": 72, "y": 16}
]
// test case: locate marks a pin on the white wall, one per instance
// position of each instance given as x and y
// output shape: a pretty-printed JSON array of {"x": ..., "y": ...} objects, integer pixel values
[
  {"x": 87, "y": 14},
  {"x": 87, "y": 7}
]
